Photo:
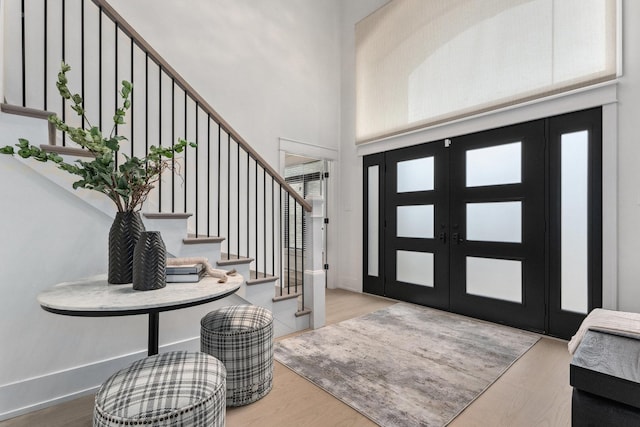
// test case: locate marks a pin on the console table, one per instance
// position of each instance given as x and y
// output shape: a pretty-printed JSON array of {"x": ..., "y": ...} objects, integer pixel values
[{"x": 94, "y": 297}]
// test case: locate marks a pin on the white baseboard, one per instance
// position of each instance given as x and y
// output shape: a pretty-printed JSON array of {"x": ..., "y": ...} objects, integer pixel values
[
  {"x": 47, "y": 390},
  {"x": 350, "y": 284}
]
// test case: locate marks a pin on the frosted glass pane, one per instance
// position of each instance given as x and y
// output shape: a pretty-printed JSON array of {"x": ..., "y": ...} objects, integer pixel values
[
  {"x": 373, "y": 220},
  {"x": 495, "y": 222},
  {"x": 415, "y": 175},
  {"x": 495, "y": 278},
  {"x": 414, "y": 267},
  {"x": 415, "y": 221},
  {"x": 500, "y": 164},
  {"x": 574, "y": 218}
]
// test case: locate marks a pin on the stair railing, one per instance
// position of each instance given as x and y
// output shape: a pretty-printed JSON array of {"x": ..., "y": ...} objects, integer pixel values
[{"x": 230, "y": 189}]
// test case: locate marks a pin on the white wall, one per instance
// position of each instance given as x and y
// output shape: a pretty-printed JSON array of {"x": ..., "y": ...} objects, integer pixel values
[
  {"x": 628, "y": 160},
  {"x": 622, "y": 288},
  {"x": 350, "y": 166},
  {"x": 2, "y": 3},
  {"x": 270, "y": 68},
  {"x": 48, "y": 236}
]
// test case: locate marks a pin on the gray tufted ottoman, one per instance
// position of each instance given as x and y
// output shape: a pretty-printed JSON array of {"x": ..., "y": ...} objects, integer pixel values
[
  {"x": 241, "y": 337},
  {"x": 169, "y": 389}
]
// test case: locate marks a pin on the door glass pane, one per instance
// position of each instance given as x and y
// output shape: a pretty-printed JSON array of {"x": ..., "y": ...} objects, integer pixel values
[
  {"x": 495, "y": 222},
  {"x": 496, "y": 165},
  {"x": 414, "y": 267},
  {"x": 415, "y": 175},
  {"x": 415, "y": 221},
  {"x": 373, "y": 220},
  {"x": 574, "y": 219},
  {"x": 495, "y": 278}
]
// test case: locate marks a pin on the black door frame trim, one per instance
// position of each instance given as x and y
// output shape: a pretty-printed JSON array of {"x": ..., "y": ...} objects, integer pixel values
[
  {"x": 557, "y": 322},
  {"x": 373, "y": 284},
  {"x": 564, "y": 323}
]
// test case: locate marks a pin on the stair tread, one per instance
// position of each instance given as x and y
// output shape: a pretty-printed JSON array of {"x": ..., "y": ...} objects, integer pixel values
[
  {"x": 192, "y": 239},
  {"x": 233, "y": 259},
  {"x": 284, "y": 297},
  {"x": 25, "y": 111},
  {"x": 258, "y": 280},
  {"x": 283, "y": 294},
  {"x": 303, "y": 312},
  {"x": 166, "y": 215},
  {"x": 71, "y": 151}
]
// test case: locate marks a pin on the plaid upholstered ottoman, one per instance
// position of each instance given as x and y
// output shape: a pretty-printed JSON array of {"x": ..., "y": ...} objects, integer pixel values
[
  {"x": 169, "y": 389},
  {"x": 241, "y": 336}
]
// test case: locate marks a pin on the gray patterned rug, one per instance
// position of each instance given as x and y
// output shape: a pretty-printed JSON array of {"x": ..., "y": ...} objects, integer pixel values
[{"x": 405, "y": 365}]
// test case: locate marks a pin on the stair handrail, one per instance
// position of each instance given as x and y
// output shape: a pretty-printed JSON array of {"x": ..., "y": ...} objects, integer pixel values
[
  {"x": 242, "y": 231},
  {"x": 124, "y": 26}
]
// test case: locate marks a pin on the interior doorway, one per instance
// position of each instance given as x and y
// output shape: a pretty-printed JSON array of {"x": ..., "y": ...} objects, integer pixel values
[{"x": 309, "y": 177}]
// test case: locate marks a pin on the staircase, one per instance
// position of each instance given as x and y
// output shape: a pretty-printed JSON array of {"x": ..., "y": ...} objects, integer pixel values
[
  {"x": 226, "y": 203},
  {"x": 258, "y": 288},
  {"x": 231, "y": 203},
  {"x": 288, "y": 313}
]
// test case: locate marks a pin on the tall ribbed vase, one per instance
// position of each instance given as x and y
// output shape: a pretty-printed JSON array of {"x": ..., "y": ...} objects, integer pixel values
[
  {"x": 123, "y": 236},
  {"x": 149, "y": 262}
]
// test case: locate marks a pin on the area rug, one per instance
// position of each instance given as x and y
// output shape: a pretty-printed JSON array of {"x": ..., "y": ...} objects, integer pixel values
[{"x": 405, "y": 365}]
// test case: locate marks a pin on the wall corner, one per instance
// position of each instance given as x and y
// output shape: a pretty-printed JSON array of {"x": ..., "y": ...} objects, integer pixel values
[{"x": 2, "y": 26}]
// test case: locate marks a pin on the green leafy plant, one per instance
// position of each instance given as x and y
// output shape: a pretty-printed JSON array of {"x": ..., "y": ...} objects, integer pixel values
[{"x": 127, "y": 184}]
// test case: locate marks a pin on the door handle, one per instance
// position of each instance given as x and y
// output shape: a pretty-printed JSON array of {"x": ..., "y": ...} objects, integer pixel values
[
  {"x": 443, "y": 237},
  {"x": 457, "y": 237}
]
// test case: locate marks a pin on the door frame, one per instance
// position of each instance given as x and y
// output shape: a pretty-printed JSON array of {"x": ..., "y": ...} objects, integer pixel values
[
  {"x": 599, "y": 295},
  {"x": 438, "y": 295},
  {"x": 565, "y": 323},
  {"x": 374, "y": 284},
  {"x": 307, "y": 149}
]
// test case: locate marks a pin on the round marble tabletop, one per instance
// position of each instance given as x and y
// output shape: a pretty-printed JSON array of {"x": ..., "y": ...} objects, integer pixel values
[{"x": 95, "y": 297}]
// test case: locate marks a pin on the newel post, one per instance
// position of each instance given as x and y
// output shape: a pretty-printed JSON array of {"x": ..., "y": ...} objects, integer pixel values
[{"x": 314, "y": 273}]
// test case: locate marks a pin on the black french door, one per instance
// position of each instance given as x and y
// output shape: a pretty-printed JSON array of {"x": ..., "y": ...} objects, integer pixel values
[
  {"x": 417, "y": 225},
  {"x": 498, "y": 225},
  {"x": 481, "y": 224}
]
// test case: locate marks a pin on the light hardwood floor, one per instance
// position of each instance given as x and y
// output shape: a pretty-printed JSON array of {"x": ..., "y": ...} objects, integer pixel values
[{"x": 535, "y": 391}]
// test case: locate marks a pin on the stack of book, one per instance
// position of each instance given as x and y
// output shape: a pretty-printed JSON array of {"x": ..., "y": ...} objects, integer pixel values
[{"x": 185, "y": 273}]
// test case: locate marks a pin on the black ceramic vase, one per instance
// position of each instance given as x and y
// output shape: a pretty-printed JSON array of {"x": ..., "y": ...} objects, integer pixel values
[
  {"x": 123, "y": 236},
  {"x": 149, "y": 262}
]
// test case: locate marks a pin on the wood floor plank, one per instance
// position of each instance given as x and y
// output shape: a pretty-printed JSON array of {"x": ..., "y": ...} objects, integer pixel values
[
  {"x": 295, "y": 401},
  {"x": 75, "y": 413},
  {"x": 535, "y": 391}
]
